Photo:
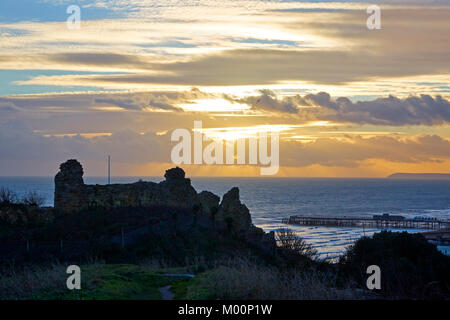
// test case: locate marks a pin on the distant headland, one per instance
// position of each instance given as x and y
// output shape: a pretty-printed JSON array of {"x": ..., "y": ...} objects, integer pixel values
[{"x": 422, "y": 176}]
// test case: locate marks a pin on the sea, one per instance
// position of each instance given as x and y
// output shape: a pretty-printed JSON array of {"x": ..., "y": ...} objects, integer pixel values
[{"x": 272, "y": 199}]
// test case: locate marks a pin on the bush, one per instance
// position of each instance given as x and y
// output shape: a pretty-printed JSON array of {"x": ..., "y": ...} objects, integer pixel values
[
  {"x": 33, "y": 199},
  {"x": 21, "y": 284},
  {"x": 243, "y": 279},
  {"x": 294, "y": 248},
  {"x": 411, "y": 267},
  {"x": 7, "y": 196}
]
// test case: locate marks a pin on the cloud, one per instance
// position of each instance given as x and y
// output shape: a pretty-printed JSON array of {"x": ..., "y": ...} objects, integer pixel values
[
  {"x": 6, "y": 106},
  {"x": 315, "y": 46},
  {"x": 423, "y": 110},
  {"x": 99, "y": 59},
  {"x": 146, "y": 102},
  {"x": 391, "y": 111},
  {"x": 90, "y": 102},
  {"x": 351, "y": 151},
  {"x": 333, "y": 47},
  {"x": 25, "y": 151},
  {"x": 268, "y": 101},
  {"x": 31, "y": 151},
  {"x": 262, "y": 67},
  {"x": 387, "y": 111},
  {"x": 122, "y": 103}
]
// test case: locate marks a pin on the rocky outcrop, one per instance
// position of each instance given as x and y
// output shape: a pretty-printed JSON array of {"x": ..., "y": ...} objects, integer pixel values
[
  {"x": 178, "y": 190},
  {"x": 209, "y": 203},
  {"x": 262, "y": 240},
  {"x": 233, "y": 216},
  {"x": 232, "y": 213}
]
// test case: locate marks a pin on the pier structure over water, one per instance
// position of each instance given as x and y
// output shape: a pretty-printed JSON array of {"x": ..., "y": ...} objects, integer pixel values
[{"x": 384, "y": 221}]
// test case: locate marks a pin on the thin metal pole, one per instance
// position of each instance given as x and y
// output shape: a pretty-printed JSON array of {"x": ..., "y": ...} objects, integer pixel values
[{"x": 109, "y": 169}]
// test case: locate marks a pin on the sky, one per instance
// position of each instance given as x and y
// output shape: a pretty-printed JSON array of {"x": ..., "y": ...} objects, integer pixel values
[{"x": 346, "y": 100}]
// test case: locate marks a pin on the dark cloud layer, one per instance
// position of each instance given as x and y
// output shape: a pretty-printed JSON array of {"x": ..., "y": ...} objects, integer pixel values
[
  {"x": 86, "y": 101},
  {"x": 392, "y": 111},
  {"x": 270, "y": 66}
]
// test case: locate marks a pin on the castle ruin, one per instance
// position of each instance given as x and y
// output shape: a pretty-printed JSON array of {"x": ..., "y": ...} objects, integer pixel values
[{"x": 72, "y": 195}]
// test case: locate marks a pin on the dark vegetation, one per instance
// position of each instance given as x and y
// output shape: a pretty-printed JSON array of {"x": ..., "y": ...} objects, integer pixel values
[
  {"x": 125, "y": 252},
  {"x": 7, "y": 196},
  {"x": 22, "y": 212},
  {"x": 411, "y": 267},
  {"x": 33, "y": 199}
]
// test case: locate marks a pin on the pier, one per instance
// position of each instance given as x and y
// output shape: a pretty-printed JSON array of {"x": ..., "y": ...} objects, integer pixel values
[{"x": 384, "y": 221}]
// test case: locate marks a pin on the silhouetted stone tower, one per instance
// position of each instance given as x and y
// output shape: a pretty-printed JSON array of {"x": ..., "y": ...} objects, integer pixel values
[{"x": 69, "y": 186}]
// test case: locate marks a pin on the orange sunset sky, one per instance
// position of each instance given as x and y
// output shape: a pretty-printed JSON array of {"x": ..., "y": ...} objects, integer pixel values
[{"x": 347, "y": 101}]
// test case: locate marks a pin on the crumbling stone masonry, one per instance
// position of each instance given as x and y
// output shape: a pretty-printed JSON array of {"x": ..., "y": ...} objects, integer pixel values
[{"x": 72, "y": 195}]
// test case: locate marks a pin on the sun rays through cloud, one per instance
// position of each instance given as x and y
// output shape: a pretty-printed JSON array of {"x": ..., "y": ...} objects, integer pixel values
[{"x": 309, "y": 70}]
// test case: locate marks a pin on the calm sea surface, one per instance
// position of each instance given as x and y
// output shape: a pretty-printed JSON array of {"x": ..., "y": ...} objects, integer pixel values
[{"x": 270, "y": 200}]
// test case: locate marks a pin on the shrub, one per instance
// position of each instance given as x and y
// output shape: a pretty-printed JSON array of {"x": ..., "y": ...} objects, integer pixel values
[
  {"x": 7, "y": 196},
  {"x": 33, "y": 199},
  {"x": 243, "y": 279},
  {"x": 411, "y": 267},
  {"x": 22, "y": 284},
  {"x": 294, "y": 247}
]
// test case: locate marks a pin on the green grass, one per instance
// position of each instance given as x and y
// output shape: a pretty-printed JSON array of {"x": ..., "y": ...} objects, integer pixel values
[
  {"x": 119, "y": 282},
  {"x": 235, "y": 280},
  {"x": 192, "y": 289}
]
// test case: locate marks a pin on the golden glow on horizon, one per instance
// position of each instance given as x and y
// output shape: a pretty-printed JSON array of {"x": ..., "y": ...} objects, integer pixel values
[
  {"x": 371, "y": 168},
  {"x": 109, "y": 108},
  {"x": 214, "y": 105},
  {"x": 235, "y": 133}
]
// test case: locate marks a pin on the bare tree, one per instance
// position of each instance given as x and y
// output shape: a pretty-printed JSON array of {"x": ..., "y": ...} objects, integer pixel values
[
  {"x": 289, "y": 241},
  {"x": 34, "y": 199},
  {"x": 7, "y": 196}
]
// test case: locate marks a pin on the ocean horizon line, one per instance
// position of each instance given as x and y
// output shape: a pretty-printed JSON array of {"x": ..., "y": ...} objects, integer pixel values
[{"x": 227, "y": 177}]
